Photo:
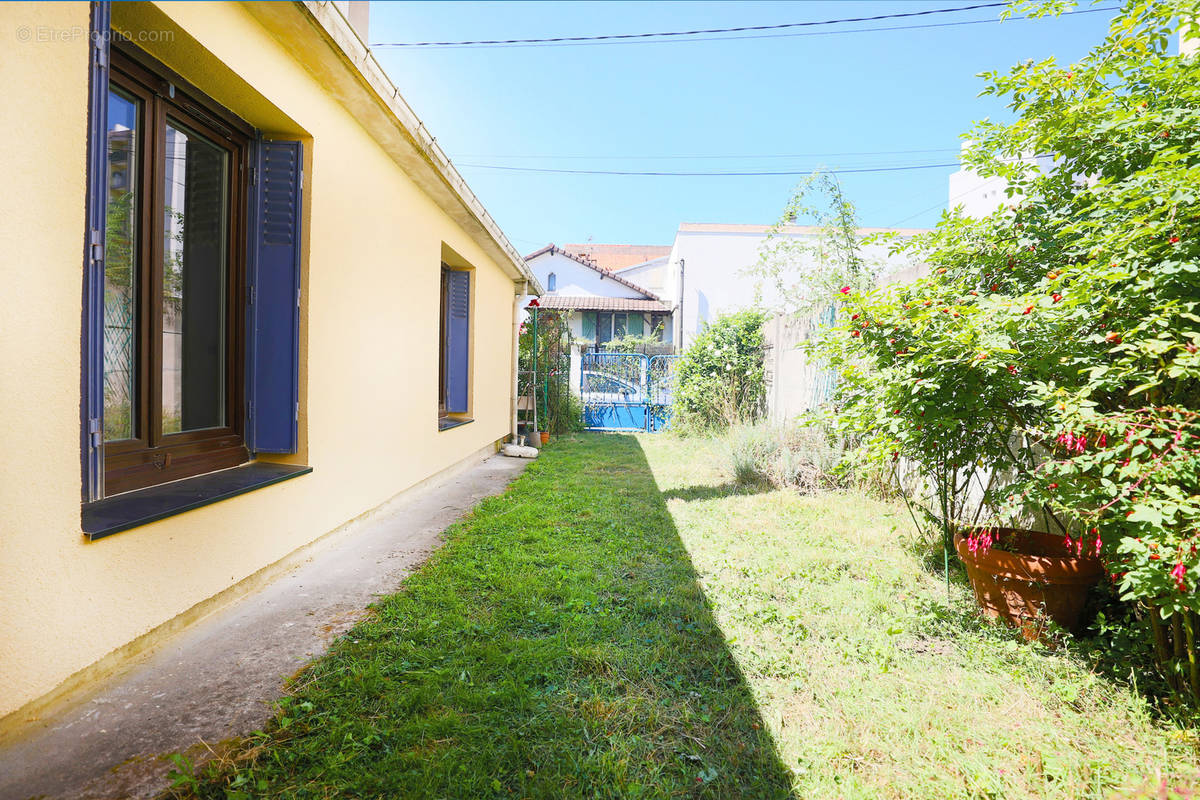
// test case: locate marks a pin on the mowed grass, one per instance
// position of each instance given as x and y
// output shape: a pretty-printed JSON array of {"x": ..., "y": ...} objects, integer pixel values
[
  {"x": 627, "y": 622},
  {"x": 557, "y": 646},
  {"x": 873, "y": 683}
]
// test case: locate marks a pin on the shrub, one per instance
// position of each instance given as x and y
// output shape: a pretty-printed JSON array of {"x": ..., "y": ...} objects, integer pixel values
[
  {"x": 1051, "y": 360},
  {"x": 721, "y": 378},
  {"x": 795, "y": 457}
]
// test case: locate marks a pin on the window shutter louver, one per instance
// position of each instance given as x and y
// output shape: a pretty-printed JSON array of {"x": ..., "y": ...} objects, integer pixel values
[
  {"x": 273, "y": 297},
  {"x": 636, "y": 325},
  {"x": 589, "y": 325},
  {"x": 458, "y": 317}
]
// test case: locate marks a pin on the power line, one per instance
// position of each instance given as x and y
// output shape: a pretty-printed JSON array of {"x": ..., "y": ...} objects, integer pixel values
[
  {"x": 664, "y": 34},
  {"x": 704, "y": 174},
  {"x": 584, "y": 41},
  {"x": 727, "y": 156}
]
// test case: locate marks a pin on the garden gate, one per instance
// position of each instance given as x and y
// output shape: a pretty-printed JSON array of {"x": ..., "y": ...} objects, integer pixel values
[{"x": 626, "y": 391}]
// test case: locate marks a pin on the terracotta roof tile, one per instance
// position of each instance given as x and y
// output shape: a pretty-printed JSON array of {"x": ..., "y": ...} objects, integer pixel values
[
  {"x": 616, "y": 257},
  {"x": 554, "y": 302}
]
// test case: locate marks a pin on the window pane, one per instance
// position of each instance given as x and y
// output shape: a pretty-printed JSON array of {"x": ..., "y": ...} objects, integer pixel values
[
  {"x": 120, "y": 278},
  {"x": 193, "y": 282},
  {"x": 618, "y": 326}
]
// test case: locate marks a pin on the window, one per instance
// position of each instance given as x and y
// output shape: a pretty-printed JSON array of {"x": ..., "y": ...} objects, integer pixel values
[
  {"x": 454, "y": 343},
  {"x": 174, "y": 257},
  {"x": 551, "y": 282},
  {"x": 659, "y": 324},
  {"x": 191, "y": 341}
]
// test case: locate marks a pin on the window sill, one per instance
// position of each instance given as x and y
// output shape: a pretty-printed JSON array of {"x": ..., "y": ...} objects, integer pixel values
[
  {"x": 446, "y": 423},
  {"x": 132, "y": 509}
]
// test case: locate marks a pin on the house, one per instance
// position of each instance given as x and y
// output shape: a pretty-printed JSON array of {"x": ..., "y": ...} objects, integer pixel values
[
  {"x": 248, "y": 301},
  {"x": 601, "y": 304}
]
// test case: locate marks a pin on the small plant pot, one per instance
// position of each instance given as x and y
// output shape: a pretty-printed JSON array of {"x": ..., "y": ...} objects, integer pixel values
[
  {"x": 1037, "y": 578},
  {"x": 545, "y": 437}
]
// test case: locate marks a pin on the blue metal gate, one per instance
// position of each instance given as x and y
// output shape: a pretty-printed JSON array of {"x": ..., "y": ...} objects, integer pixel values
[{"x": 626, "y": 391}]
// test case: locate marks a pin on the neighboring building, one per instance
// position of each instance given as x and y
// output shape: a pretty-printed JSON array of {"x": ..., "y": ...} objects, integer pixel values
[
  {"x": 601, "y": 305},
  {"x": 706, "y": 274},
  {"x": 303, "y": 313}
]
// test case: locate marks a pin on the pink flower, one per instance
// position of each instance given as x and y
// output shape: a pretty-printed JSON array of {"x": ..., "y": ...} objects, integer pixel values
[
  {"x": 1178, "y": 574},
  {"x": 844, "y": 290}
]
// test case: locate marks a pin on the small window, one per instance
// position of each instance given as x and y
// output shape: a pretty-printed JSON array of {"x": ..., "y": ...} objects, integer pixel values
[
  {"x": 659, "y": 326},
  {"x": 551, "y": 282},
  {"x": 454, "y": 342}
]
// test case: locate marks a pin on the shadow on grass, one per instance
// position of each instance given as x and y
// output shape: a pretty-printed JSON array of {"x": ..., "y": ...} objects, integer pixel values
[
  {"x": 557, "y": 646},
  {"x": 729, "y": 489}
]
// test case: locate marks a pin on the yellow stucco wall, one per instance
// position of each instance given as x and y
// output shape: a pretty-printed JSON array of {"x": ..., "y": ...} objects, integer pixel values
[{"x": 369, "y": 344}]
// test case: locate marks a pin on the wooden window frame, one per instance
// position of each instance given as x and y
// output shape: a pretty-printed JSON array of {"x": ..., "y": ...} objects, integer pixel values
[{"x": 152, "y": 457}]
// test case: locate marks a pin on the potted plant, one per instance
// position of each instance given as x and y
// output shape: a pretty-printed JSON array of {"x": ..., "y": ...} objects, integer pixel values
[{"x": 1024, "y": 577}]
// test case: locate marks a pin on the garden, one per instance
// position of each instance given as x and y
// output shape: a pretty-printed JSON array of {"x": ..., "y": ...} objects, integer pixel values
[{"x": 971, "y": 571}]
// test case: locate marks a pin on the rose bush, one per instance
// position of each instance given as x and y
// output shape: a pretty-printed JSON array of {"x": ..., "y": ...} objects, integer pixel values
[{"x": 1050, "y": 357}]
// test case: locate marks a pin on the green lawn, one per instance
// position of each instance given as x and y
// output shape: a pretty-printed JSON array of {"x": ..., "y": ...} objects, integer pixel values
[{"x": 625, "y": 623}]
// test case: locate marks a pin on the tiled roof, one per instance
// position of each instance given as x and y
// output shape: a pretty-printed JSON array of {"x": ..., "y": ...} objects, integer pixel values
[
  {"x": 551, "y": 249},
  {"x": 554, "y": 302},
  {"x": 616, "y": 257}
]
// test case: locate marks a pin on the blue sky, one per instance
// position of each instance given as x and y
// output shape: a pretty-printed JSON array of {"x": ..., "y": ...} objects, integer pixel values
[{"x": 645, "y": 106}]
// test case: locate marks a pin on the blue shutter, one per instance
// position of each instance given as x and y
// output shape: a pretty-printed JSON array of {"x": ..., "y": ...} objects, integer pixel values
[
  {"x": 92, "y": 381},
  {"x": 458, "y": 332},
  {"x": 273, "y": 300}
]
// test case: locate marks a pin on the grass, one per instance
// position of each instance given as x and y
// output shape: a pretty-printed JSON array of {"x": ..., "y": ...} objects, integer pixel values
[{"x": 626, "y": 621}]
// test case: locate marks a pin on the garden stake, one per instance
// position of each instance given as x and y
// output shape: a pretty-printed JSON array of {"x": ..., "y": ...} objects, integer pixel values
[
  {"x": 1193, "y": 668},
  {"x": 1177, "y": 641}
]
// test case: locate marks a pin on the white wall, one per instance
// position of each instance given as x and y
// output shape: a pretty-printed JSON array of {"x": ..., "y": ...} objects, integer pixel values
[
  {"x": 651, "y": 275},
  {"x": 575, "y": 280},
  {"x": 715, "y": 258},
  {"x": 981, "y": 196}
]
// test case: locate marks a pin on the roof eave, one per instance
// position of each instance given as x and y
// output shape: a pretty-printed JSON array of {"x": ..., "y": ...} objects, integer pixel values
[{"x": 347, "y": 67}]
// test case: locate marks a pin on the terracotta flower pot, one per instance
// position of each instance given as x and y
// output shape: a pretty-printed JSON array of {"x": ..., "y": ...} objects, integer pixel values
[
  {"x": 1038, "y": 576},
  {"x": 545, "y": 437}
]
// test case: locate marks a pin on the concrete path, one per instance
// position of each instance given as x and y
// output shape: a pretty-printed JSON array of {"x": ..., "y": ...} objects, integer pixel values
[{"x": 217, "y": 679}]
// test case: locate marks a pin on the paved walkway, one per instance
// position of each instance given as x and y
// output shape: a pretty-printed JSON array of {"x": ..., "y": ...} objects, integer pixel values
[{"x": 216, "y": 680}]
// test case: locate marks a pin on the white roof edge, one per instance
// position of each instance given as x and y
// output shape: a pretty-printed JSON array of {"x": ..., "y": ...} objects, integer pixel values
[
  {"x": 735, "y": 227},
  {"x": 345, "y": 38}
]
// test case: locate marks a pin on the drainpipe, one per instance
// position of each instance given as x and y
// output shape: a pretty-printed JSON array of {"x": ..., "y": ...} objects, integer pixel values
[
  {"x": 679, "y": 342},
  {"x": 512, "y": 449},
  {"x": 516, "y": 354}
]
